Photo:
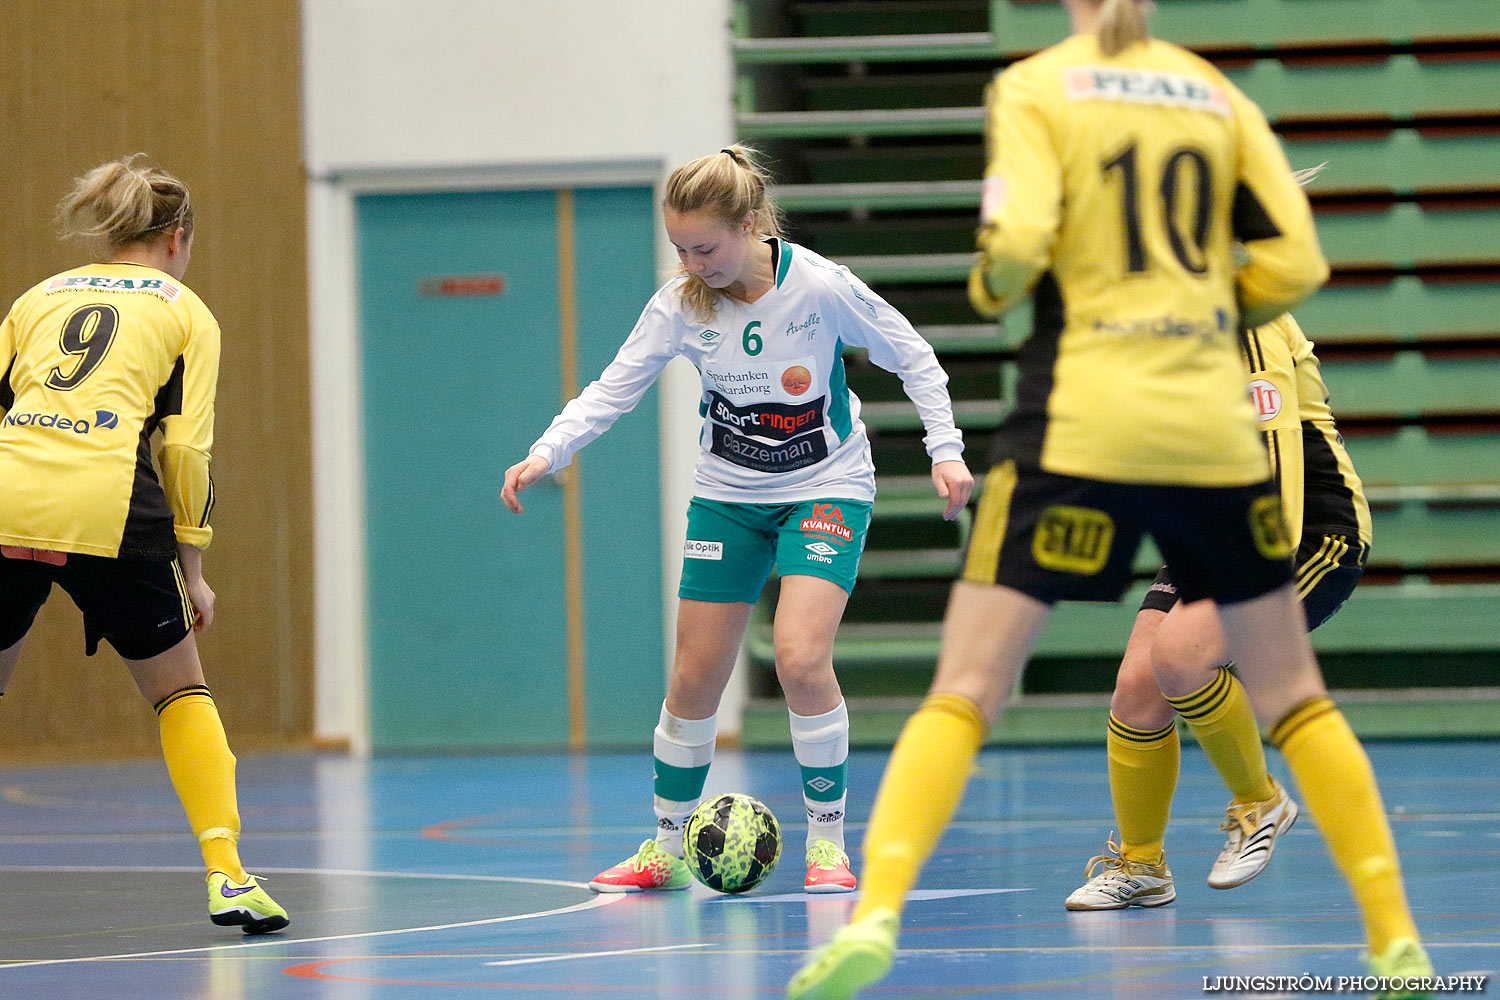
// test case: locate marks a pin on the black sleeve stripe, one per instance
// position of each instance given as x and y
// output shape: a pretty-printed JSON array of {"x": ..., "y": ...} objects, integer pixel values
[
  {"x": 169, "y": 396},
  {"x": 1251, "y": 221},
  {"x": 208, "y": 508},
  {"x": 7, "y": 394}
]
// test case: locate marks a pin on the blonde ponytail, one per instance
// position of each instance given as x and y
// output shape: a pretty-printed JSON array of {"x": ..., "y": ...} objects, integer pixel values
[
  {"x": 1122, "y": 23},
  {"x": 727, "y": 185},
  {"x": 124, "y": 202}
]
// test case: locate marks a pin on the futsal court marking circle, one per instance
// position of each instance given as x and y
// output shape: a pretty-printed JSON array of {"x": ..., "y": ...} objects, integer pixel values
[
  {"x": 600, "y": 899},
  {"x": 538, "y": 959}
]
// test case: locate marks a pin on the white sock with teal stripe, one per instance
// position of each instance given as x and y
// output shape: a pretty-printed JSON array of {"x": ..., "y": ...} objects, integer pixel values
[
  {"x": 821, "y": 743},
  {"x": 684, "y": 749}
]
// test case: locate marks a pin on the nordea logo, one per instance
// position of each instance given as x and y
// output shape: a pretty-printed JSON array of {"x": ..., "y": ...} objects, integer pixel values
[{"x": 103, "y": 419}]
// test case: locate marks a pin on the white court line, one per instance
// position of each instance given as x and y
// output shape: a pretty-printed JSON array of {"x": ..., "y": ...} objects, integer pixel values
[
  {"x": 600, "y": 899},
  {"x": 538, "y": 959},
  {"x": 533, "y": 833},
  {"x": 295, "y": 871},
  {"x": 912, "y": 896}
]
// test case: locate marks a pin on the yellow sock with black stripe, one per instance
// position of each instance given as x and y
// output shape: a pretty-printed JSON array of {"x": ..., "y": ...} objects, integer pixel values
[
  {"x": 202, "y": 769},
  {"x": 923, "y": 784},
  {"x": 1221, "y": 718},
  {"x": 1338, "y": 786},
  {"x": 1143, "y": 768}
]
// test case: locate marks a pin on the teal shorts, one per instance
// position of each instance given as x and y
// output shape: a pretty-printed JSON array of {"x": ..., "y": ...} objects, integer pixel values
[{"x": 731, "y": 547}]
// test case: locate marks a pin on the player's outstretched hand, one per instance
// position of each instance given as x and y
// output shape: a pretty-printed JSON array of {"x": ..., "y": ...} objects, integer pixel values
[
  {"x": 954, "y": 484},
  {"x": 520, "y": 476}
]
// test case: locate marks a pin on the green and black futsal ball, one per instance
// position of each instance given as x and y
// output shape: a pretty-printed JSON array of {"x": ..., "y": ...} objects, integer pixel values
[{"x": 731, "y": 843}]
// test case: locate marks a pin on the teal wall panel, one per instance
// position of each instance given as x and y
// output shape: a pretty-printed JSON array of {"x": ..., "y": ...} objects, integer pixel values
[
  {"x": 467, "y": 604},
  {"x": 621, "y": 476}
]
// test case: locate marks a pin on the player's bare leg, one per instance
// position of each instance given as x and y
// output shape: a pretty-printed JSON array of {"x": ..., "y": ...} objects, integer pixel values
[
  {"x": 1267, "y": 637},
  {"x": 202, "y": 771},
  {"x": 709, "y": 634},
  {"x": 988, "y": 633},
  {"x": 808, "y": 613},
  {"x": 1144, "y": 754}
]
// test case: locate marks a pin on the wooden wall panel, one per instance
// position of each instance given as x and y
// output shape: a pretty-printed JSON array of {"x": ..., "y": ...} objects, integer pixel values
[{"x": 211, "y": 90}]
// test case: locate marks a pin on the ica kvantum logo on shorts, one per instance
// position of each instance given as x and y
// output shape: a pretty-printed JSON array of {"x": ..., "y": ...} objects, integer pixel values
[{"x": 828, "y": 518}]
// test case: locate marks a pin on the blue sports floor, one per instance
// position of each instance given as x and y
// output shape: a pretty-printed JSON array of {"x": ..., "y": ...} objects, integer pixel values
[{"x": 465, "y": 877}]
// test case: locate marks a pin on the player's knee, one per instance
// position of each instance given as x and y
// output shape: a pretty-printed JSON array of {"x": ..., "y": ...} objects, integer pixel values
[
  {"x": 801, "y": 664},
  {"x": 1137, "y": 701},
  {"x": 1182, "y": 664}
]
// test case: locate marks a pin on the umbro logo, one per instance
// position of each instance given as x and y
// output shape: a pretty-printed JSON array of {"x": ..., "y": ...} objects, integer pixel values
[
  {"x": 709, "y": 336},
  {"x": 820, "y": 784}
]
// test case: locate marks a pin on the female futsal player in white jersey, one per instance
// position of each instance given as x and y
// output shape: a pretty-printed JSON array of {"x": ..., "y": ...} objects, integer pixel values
[
  {"x": 784, "y": 477},
  {"x": 1121, "y": 169}
]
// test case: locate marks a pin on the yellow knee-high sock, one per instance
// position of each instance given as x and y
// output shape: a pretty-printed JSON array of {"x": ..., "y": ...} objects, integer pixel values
[
  {"x": 1338, "y": 785},
  {"x": 1220, "y": 716},
  {"x": 202, "y": 770},
  {"x": 922, "y": 786},
  {"x": 1142, "y": 777}
]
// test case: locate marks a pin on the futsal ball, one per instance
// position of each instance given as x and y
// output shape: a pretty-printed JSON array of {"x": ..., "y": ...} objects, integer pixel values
[{"x": 731, "y": 843}]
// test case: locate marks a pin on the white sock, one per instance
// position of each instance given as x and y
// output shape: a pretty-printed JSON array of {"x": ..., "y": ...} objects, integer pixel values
[
  {"x": 683, "y": 749},
  {"x": 821, "y": 743}
]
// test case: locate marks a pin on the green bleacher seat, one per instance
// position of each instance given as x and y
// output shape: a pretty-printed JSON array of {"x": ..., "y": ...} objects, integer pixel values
[
  {"x": 1423, "y": 456},
  {"x": 1385, "y": 88},
  {"x": 1401, "y": 236},
  {"x": 1267, "y": 24},
  {"x": 838, "y": 32},
  {"x": 1402, "y": 309},
  {"x": 1399, "y": 97},
  {"x": 1411, "y": 384},
  {"x": 889, "y": 17},
  {"x": 1401, "y": 162},
  {"x": 1405, "y": 310},
  {"x": 1406, "y": 236},
  {"x": 941, "y": 47}
]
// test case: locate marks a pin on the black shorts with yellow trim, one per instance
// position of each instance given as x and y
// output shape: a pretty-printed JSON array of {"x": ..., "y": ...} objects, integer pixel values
[
  {"x": 140, "y": 606},
  {"x": 1328, "y": 570},
  {"x": 1066, "y": 538}
]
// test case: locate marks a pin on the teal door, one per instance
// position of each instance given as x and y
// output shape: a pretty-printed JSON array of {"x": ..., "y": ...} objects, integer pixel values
[{"x": 488, "y": 629}]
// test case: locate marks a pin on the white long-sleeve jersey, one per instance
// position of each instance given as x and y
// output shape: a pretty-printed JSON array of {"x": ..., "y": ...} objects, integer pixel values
[{"x": 780, "y": 424}]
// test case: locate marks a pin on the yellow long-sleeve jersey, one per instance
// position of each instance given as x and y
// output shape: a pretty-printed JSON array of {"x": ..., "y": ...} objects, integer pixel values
[
  {"x": 95, "y": 360},
  {"x": 1320, "y": 490},
  {"x": 1122, "y": 182}
]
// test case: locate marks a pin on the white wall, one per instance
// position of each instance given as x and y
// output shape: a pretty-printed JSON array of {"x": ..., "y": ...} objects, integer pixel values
[{"x": 475, "y": 94}]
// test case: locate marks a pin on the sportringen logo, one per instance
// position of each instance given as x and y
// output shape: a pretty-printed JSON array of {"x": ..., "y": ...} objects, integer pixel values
[{"x": 103, "y": 420}]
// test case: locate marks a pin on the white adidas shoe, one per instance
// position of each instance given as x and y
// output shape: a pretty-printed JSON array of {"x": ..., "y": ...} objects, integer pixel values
[
  {"x": 1253, "y": 828},
  {"x": 1122, "y": 883}
]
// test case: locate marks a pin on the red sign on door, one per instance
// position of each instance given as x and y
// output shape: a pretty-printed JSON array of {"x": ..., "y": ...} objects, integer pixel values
[{"x": 465, "y": 286}]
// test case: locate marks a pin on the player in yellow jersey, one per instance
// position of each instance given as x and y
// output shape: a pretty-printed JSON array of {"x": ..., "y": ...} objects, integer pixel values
[
  {"x": 95, "y": 361},
  {"x": 1172, "y": 660},
  {"x": 1121, "y": 171}
]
